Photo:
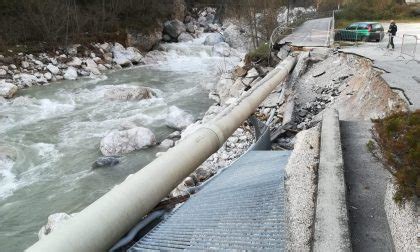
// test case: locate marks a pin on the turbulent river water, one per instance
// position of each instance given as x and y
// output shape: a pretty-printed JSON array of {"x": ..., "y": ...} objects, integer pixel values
[{"x": 54, "y": 131}]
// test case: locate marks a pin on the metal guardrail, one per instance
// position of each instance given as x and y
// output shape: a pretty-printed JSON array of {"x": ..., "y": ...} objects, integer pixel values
[{"x": 104, "y": 222}]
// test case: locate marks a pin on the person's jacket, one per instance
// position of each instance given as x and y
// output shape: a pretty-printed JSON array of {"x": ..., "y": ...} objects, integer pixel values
[{"x": 393, "y": 29}]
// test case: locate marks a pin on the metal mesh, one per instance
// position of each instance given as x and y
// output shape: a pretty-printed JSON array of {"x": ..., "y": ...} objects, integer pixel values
[
  {"x": 242, "y": 208},
  {"x": 409, "y": 45}
]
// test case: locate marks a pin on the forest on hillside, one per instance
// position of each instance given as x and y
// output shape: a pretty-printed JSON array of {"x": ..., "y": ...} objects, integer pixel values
[{"x": 58, "y": 22}]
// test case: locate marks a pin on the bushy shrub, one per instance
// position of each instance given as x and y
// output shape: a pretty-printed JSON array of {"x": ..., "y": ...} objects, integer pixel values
[
  {"x": 260, "y": 55},
  {"x": 376, "y": 10},
  {"x": 398, "y": 137}
]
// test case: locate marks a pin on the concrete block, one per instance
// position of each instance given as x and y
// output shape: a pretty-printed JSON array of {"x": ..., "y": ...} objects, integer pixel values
[{"x": 331, "y": 218}]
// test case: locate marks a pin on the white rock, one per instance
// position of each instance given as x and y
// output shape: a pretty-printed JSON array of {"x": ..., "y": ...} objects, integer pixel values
[
  {"x": 175, "y": 134},
  {"x": 54, "y": 221},
  {"x": 102, "y": 67},
  {"x": 70, "y": 74},
  {"x": 233, "y": 36},
  {"x": 213, "y": 38},
  {"x": 90, "y": 63},
  {"x": 92, "y": 66},
  {"x": 95, "y": 71},
  {"x": 129, "y": 93},
  {"x": 41, "y": 79},
  {"x": 167, "y": 143},
  {"x": 213, "y": 27},
  {"x": 13, "y": 66},
  {"x": 134, "y": 54},
  {"x": 27, "y": 79},
  {"x": 221, "y": 49},
  {"x": 72, "y": 50},
  {"x": 53, "y": 61},
  {"x": 39, "y": 63},
  {"x": 97, "y": 59},
  {"x": 7, "y": 90},
  {"x": 25, "y": 64},
  {"x": 252, "y": 73},
  {"x": 178, "y": 119},
  {"x": 124, "y": 57},
  {"x": 48, "y": 76},
  {"x": 108, "y": 57},
  {"x": 125, "y": 141},
  {"x": 75, "y": 62},
  {"x": 3, "y": 72},
  {"x": 154, "y": 57},
  {"x": 185, "y": 37},
  {"x": 190, "y": 27},
  {"x": 120, "y": 56},
  {"x": 105, "y": 46}
]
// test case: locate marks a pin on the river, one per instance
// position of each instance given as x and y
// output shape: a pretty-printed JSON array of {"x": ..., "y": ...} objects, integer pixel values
[{"x": 54, "y": 131}]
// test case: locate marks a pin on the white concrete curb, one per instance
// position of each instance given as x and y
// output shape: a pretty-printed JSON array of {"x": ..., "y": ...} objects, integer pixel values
[{"x": 331, "y": 219}]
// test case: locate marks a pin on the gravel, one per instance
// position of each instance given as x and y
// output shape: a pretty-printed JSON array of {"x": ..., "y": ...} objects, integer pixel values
[
  {"x": 301, "y": 186},
  {"x": 402, "y": 221}
]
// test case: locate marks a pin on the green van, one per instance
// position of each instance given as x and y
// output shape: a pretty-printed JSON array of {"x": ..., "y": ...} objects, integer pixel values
[{"x": 361, "y": 31}]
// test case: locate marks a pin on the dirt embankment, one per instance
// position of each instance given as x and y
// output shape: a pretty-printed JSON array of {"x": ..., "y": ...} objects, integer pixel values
[{"x": 344, "y": 82}]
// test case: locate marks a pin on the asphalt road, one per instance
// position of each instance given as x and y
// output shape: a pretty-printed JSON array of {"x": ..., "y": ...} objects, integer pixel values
[
  {"x": 314, "y": 32},
  {"x": 402, "y": 65},
  {"x": 366, "y": 181}
]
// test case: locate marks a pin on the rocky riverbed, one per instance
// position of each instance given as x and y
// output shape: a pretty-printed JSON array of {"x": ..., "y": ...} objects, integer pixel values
[{"x": 51, "y": 135}]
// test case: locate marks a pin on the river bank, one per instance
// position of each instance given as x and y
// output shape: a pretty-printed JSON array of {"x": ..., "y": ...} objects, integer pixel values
[{"x": 50, "y": 134}]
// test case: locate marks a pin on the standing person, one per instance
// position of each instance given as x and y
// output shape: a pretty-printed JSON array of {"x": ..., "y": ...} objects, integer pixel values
[{"x": 392, "y": 31}]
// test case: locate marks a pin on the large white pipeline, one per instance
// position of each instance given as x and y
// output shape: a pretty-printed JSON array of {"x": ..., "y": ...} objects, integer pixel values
[{"x": 100, "y": 225}]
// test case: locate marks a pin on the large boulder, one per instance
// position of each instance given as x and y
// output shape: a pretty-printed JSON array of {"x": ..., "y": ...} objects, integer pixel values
[
  {"x": 129, "y": 93},
  {"x": 185, "y": 37},
  {"x": 54, "y": 221},
  {"x": 70, "y": 74},
  {"x": 134, "y": 54},
  {"x": 26, "y": 80},
  {"x": 145, "y": 42},
  {"x": 7, "y": 90},
  {"x": 202, "y": 21},
  {"x": 126, "y": 141},
  {"x": 190, "y": 27},
  {"x": 154, "y": 57},
  {"x": 221, "y": 49},
  {"x": 124, "y": 57},
  {"x": 174, "y": 28},
  {"x": 75, "y": 62},
  {"x": 213, "y": 38},
  {"x": 233, "y": 36},
  {"x": 92, "y": 66},
  {"x": 178, "y": 119},
  {"x": 53, "y": 69}
]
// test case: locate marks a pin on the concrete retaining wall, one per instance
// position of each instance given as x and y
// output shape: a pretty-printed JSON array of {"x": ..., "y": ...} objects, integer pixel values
[{"x": 331, "y": 219}]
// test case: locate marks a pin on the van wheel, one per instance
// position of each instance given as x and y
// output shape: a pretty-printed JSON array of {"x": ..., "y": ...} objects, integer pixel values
[{"x": 364, "y": 39}]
